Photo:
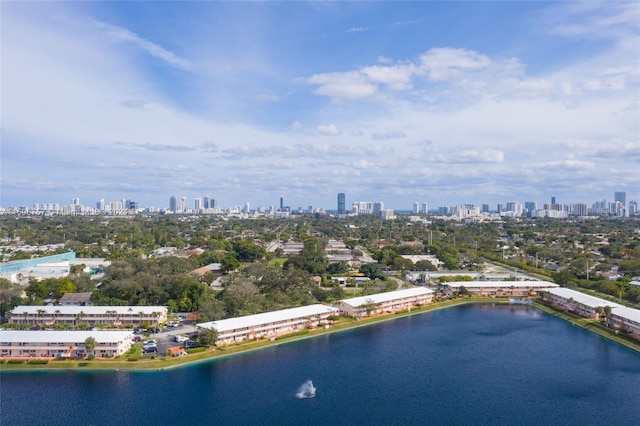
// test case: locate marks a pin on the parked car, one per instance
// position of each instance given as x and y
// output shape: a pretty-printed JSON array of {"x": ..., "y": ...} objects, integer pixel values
[
  {"x": 190, "y": 344},
  {"x": 149, "y": 349},
  {"x": 180, "y": 338}
]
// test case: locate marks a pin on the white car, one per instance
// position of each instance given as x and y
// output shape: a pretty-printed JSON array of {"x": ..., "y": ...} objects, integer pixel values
[{"x": 178, "y": 338}]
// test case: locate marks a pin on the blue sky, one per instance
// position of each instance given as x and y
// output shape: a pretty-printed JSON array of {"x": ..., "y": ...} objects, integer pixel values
[{"x": 437, "y": 102}]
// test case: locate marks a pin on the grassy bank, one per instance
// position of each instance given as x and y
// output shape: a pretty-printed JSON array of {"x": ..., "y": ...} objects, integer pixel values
[
  {"x": 133, "y": 361},
  {"x": 593, "y": 325}
]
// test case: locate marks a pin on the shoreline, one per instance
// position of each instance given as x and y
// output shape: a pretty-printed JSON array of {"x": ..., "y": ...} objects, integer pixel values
[{"x": 210, "y": 355}]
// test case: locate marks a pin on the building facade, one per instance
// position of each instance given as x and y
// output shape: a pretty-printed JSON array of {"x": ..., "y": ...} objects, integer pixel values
[
  {"x": 90, "y": 316},
  {"x": 63, "y": 344},
  {"x": 500, "y": 288},
  {"x": 384, "y": 303},
  {"x": 270, "y": 324}
]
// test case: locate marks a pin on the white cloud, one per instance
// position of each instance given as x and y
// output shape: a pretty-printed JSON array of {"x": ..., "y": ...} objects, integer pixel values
[
  {"x": 328, "y": 130},
  {"x": 394, "y": 134},
  {"x": 446, "y": 63},
  {"x": 350, "y": 85},
  {"x": 124, "y": 35}
]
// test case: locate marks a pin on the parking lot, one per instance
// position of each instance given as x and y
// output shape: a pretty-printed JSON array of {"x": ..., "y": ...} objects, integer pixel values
[{"x": 165, "y": 338}]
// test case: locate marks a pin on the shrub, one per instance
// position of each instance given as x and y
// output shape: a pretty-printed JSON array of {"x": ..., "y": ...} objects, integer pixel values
[
  {"x": 295, "y": 333},
  {"x": 38, "y": 361},
  {"x": 90, "y": 357},
  {"x": 133, "y": 358},
  {"x": 196, "y": 350},
  {"x": 15, "y": 361}
]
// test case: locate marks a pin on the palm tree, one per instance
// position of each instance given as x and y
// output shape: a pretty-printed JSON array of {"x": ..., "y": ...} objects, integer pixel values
[
  {"x": 90, "y": 345},
  {"x": 40, "y": 313},
  {"x": 607, "y": 314}
]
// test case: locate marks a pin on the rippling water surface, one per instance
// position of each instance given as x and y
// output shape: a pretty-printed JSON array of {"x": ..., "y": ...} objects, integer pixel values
[{"x": 468, "y": 365}]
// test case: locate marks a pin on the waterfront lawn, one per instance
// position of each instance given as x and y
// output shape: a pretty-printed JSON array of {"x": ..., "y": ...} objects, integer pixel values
[
  {"x": 590, "y": 324},
  {"x": 133, "y": 359}
]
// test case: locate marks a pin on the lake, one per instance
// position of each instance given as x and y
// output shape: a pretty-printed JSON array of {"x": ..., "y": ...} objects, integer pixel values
[{"x": 473, "y": 364}]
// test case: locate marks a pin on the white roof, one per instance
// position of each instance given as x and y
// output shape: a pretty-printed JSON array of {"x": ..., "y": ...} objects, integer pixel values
[
  {"x": 501, "y": 284},
  {"x": 627, "y": 313},
  {"x": 581, "y": 298},
  {"x": 87, "y": 310},
  {"x": 268, "y": 317},
  {"x": 44, "y": 336},
  {"x": 386, "y": 297}
]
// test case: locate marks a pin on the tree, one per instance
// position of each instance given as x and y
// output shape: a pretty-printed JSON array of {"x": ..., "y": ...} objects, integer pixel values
[
  {"x": 90, "y": 344},
  {"x": 369, "y": 306},
  {"x": 372, "y": 271},
  {"x": 208, "y": 336},
  {"x": 229, "y": 263},
  {"x": 424, "y": 265}
]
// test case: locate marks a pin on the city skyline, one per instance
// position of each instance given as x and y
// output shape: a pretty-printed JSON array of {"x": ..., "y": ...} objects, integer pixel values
[
  {"x": 342, "y": 205},
  {"x": 437, "y": 102}
]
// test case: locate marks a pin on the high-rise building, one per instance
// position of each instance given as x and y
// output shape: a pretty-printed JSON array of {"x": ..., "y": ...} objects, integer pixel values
[
  {"x": 620, "y": 197},
  {"x": 553, "y": 201},
  {"x": 514, "y": 207},
  {"x": 205, "y": 202},
  {"x": 100, "y": 205},
  {"x": 197, "y": 204},
  {"x": 580, "y": 209},
  {"x": 416, "y": 208},
  {"x": 173, "y": 204},
  {"x": 378, "y": 208},
  {"x": 182, "y": 207},
  {"x": 281, "y": 203},
  {"x": 213, "y": 203},
  {"x": 75, "y": 201},
  {"x": 342, "y": 203},
  {"x": 633, "y": 207},
  {"x": 425, "y": 208},
  {"x": 530, "y": 206},
  {"x": 485, "y": 208}
]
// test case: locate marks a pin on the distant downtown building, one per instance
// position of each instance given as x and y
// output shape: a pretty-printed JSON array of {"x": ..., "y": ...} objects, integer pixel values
[{"x": 342, "y": 207}]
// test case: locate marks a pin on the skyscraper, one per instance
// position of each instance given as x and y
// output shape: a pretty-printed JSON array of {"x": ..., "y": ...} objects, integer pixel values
[
  {"x": 205, "y": 202},
  {"x": 173, "y": 204},
  {"x": 620, "y": 197},
  {"x": 197, "y": 204},
  {"x": 342, "y": 203},
  {"x": 281, "y": 204}
]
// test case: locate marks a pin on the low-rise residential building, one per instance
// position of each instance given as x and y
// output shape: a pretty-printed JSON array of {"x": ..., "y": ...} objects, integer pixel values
[
  {"x": 63, "y": 344},
  {"x": 626, "y": 319},
  {"x": 270, "y": 324},
  {"x": 621, "y": 317},
  {"x": 389, "y": 302},
  {"x": 76, "y": 299},
  {"x": 500, "y": 288},
  {"x": 72, "y": 315},
  {"x": 574, "y": 301}
]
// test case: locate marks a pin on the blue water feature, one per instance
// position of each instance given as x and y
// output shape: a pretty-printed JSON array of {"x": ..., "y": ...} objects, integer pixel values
[{"x": 468, "y": 365}]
